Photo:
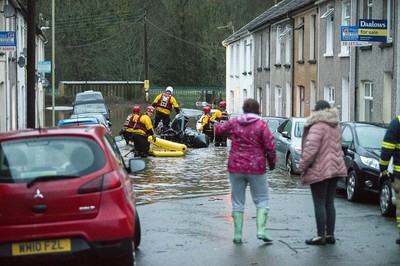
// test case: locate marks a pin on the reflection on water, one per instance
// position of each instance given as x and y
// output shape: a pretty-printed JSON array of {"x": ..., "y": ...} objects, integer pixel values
[{"x": 201, "y": 172}]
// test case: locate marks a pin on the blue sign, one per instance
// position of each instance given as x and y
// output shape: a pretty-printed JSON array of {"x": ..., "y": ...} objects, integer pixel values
[
  {"x": 372, "y": 30},
  {"x": 8, "y": 38},
  {"x": 349, "y": 34}
]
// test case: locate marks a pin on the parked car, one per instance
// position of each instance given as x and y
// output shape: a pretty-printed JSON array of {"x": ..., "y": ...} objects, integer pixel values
[
  {"x": 66, "y": 193},
  {"x": 387, "y": 196},
  {"x": 78, "y": 121},
  {"x": 361, "y": 144},
  {"x": 100, "y": 118},
  {"x": 92, "y": 106},
  {"x": 273, "y": 121},
  {"x": 89, "y": 95},
  {"x": 288, "y": 143}
]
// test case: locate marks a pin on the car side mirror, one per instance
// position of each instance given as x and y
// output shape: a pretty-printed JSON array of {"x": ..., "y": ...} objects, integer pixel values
[
  {"x": 136, "y": 165},
  {"x": 285, "y": 134},
  {"x": 345, "y": 147}
]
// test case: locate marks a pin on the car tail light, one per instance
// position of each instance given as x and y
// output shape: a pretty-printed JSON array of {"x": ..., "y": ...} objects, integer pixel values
[{"x": 108, "y": 181}]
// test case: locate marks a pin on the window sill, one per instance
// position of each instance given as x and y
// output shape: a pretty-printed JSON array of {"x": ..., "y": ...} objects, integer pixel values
[
  {"x": 244, "y": 73},
  {"x": 366, "y": 48},
  {"x": 385, "y": 45},
  {"x": 312, "y": 62},
  {"x": 300, "y": 62},
  {"x": 286, "y": 65},
  {"x": 259, "y": 69},
  {"x": 249, "y": 73},
  {"x": 344, "y": 55},
  {"x": 328, "y": 55},
  {"x": 278, "y": 65},
  {"x": 267, "y": 69}
]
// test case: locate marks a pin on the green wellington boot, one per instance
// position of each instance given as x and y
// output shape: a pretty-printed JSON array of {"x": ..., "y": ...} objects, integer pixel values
[
  {"x": 262, "y": 215},
  {"x": 238, "y": 224}
]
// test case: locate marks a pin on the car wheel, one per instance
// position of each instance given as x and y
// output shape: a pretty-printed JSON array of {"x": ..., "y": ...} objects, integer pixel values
[
  {"x": 385, "y": 199},
  {"x": 352, "y": 189},
  {"x": 137, "y": 235},
  {"x": 289, "y": 164}
]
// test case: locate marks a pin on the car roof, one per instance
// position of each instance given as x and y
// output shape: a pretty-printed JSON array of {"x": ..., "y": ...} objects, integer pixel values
[
  {"x": 89, "y": 102},
  {"x": 89, "y": 131},
  {"x": 78, "y": 120},
  {"x": 363, "y": 123}
]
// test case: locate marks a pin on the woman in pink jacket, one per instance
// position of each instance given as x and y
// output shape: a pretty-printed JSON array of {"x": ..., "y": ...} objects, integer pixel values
[
  {"x": 320, "y": 166},
  {"x": 252, "y": 146}
]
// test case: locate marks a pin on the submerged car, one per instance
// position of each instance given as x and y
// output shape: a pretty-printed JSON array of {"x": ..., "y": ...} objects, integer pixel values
[
  {"x": 66, "y": 193},
  {"x": 288, "y": 143},
  {"x": 361, "y": 144},
  {"x": 92, "y": 106}
]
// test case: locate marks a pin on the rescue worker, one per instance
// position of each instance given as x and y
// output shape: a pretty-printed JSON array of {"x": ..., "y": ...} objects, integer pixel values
[
  {"x": 163, "y": 104},
  {"x": 220, "y": 116},
  {"x": 205, "y": 124},
  {"x": 130, "y": 121},
  {"x": 391, "y": 148},
  {"x": 142, "y": 129}
]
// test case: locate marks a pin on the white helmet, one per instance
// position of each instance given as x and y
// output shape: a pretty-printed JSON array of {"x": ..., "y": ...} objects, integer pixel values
[{"x": 170, "y": 89}]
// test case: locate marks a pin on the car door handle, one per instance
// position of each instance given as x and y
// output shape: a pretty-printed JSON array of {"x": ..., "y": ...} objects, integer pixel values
[{"x": 39, "y": 208}]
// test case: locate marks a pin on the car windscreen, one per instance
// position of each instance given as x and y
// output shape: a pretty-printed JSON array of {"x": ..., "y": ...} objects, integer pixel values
[
  {"x": 21, "y": 161},
  {"x": 370, "y": 137},
  {"x": 90, "y": 108}
]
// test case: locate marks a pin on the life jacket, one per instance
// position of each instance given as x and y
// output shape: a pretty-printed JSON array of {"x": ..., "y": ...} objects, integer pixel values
[
  {"x": 128, "y": 120},
  {"x": 132, "y": 120},
  {"x": 165, "y": 101},
  {"x": 209, "y": 125},
  {"x": 140, "y": 125},
  {"x": 224, "y": 116}
]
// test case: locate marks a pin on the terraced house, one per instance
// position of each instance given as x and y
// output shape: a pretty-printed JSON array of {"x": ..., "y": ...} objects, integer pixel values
[{"x": 296, "y": 53}]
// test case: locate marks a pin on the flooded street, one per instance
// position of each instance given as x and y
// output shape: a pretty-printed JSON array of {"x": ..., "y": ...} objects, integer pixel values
[{"x": 200, "y": 172}]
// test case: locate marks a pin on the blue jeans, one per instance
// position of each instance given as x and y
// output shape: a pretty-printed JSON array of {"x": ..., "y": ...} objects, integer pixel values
[
  {"x": 258, "y": 189},
  {"x": 323, "y": 195}
]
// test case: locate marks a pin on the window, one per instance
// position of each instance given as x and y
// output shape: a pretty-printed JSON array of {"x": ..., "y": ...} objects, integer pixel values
[
  {"x": 388, "y": 14},
  {"x": 231, "y": 64},
  {"x": 278, "y": 45},
  {"x": 368, "y": 9},
  {"x": 285, "y": 37},
  {"x": 251, "y": 58},
  {"x": 329, "y": 94},
  {"x": 267, "y": 51},
  {"x": 328, "y": 16},
  {"x": 278, "y": 101},
  {"x": 237, "y": 59},
  {"x": 346, "y": 16},
  {"x": 245, "y": 57},
  {"x": 368, "y": 98},
  {"x": 313, "y": 29},
  {"x": 300, "y": 39},
  {"x": 260, "y": 52}
]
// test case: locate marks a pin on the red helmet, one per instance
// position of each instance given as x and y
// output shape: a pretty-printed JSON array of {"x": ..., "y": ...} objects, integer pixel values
[
  {"x": 136, "y": 109},
  {"x": 151, "y": 109},
  {"x": 206, "y": 109},
  {"x": 222, "y": 104}
]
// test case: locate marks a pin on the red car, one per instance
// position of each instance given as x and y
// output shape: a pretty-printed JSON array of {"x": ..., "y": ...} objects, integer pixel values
[{"x": 65, "y": 193}]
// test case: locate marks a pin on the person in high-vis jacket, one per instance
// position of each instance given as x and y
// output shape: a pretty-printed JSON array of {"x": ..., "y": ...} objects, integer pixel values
[
  {"x": 206, "y": 126},
  {"x": 130, "y": 121},
  {"x": 391, "y": 148},
  {"x": 220, "y": 116},
  {"x": 141, "y": 131},
  {"x": 163, "y": 104}
]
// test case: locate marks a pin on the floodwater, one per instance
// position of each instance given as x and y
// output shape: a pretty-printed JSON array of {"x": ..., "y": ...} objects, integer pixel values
[{"x": 200, "y": 172}]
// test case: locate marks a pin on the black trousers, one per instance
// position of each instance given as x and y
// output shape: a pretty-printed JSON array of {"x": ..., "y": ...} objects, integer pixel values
[
  {"x": 142, "y": 145},
  {"x": 162, "y": 117}
]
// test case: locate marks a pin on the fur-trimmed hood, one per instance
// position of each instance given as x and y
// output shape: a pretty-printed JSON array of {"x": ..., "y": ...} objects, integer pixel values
[{"x": 329, "y": 116}]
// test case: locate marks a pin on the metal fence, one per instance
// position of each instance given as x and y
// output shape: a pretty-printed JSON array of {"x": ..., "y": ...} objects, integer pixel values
[{"x": 188, "y": 97}]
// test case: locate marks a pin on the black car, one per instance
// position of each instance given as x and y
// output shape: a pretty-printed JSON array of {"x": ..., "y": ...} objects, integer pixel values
[{"x": 361, "y": 144}]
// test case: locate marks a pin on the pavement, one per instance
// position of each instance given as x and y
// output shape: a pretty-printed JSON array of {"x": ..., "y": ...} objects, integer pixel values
[{"x": 199, "y": 231}]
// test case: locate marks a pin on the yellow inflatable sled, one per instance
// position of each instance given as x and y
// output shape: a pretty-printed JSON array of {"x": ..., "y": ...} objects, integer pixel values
[{"x": 166, "y": 148}]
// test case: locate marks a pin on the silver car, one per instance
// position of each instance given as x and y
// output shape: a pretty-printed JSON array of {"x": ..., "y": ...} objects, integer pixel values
[{"x": 288, "y": 143}]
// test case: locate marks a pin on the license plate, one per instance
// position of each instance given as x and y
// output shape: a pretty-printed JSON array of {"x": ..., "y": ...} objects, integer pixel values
[{"x": 41, "y": 247}]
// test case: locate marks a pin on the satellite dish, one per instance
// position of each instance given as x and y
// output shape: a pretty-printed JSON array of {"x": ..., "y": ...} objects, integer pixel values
[{"x": 8, "y": 11}]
